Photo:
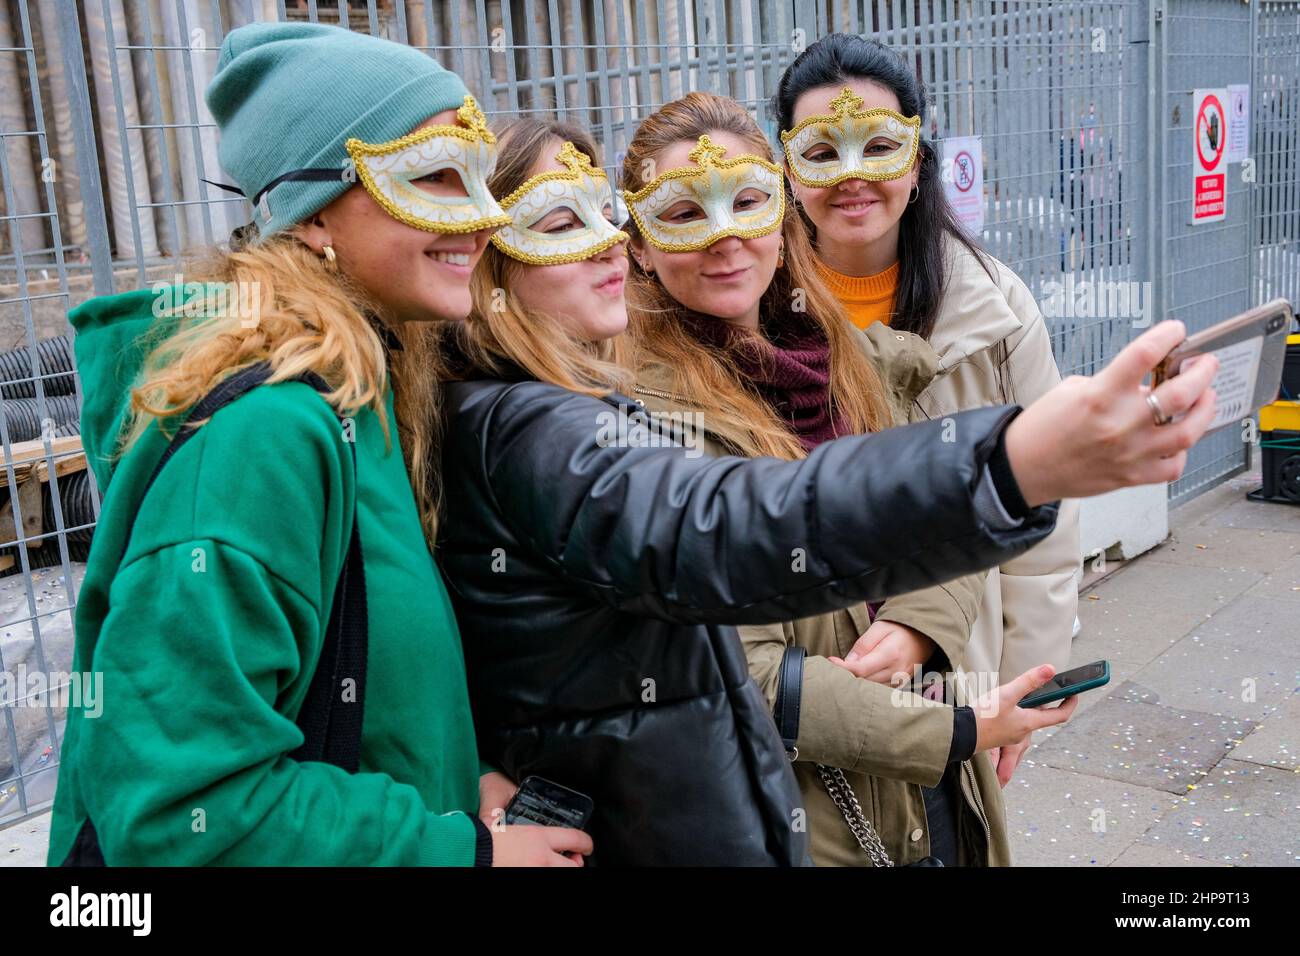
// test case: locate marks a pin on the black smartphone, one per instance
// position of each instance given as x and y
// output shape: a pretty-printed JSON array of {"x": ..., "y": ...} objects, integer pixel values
[
  {"x": 1068, "y": 683},
  {"x": 542, "y": 802}
]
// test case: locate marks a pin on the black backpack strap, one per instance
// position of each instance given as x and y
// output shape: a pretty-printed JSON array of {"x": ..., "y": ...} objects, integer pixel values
[
  {"x": 242, "y": 382},
  {"x": 789, "y": 691},
  {"x": 329, "y": 719},
  {"x": 332, "y": 711}
]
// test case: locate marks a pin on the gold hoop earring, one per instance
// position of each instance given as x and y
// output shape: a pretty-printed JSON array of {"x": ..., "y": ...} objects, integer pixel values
[
  {"x": 780, "y": 255},
  {"x": 331, "y": 260},
  {"x": 916, "y": 191}
]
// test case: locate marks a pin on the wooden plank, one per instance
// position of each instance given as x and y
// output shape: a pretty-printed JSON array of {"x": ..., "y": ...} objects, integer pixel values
[
  {"x": 63, "y": 466},
  {"x": 68, "y": 456}
]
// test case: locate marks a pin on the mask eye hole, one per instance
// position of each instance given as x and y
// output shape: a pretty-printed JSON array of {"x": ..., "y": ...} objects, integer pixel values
[
  {"x": 557, "y": 221},
  {"x": 749, "y": 199},
  {"x": 821, "y": 153},
  {"x": 881, "y": 146},
  {"x": 441, "y": 182},
  {"x": 681, "y": 212}
]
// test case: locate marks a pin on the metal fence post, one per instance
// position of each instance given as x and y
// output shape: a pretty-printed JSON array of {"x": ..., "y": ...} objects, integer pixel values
[{"x": 1155, "y": 158}]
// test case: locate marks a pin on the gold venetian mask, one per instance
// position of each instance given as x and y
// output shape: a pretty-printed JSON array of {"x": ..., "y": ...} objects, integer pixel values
[
  {"x": 389, "y": 172},
  {"x": 582, "y": 189},
  {"x": 714, "y": 185},
  {"x": 852, "y": 143}
]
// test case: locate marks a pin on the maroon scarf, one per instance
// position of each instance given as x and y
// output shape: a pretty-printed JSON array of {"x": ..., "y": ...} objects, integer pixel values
[{"x": 790, "y": 370}]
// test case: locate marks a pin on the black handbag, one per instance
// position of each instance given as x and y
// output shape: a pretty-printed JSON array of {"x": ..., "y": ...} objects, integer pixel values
[
  {"x": 331, "y": 729},
  {"x": 789, "y": 692}
]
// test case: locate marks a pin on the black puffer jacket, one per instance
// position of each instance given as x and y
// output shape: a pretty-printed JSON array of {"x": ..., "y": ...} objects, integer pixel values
[{"x": 596, "y": 578}]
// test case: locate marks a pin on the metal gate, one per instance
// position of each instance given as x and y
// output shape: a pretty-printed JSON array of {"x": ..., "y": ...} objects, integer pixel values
[{"x": 1082, "y": 106}]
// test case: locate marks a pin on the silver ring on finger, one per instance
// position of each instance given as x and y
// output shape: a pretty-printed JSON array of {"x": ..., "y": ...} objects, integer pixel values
[{"x": 1158, "y": 412}]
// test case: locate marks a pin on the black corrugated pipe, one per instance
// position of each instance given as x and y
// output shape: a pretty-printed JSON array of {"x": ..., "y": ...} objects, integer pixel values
[
  {"x": 54, "y": 356},
  {"x": 77, "y": 508},
  {"x": 23, "y": 415}
]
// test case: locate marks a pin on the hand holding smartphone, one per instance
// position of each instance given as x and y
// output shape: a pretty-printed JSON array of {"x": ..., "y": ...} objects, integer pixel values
[
  {"x": 1068, "y": 683},
  {"x": 542, "y": 802}
]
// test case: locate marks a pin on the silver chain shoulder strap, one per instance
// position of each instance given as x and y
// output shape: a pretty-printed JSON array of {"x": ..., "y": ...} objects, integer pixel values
[{"x": 847, "y": 802}]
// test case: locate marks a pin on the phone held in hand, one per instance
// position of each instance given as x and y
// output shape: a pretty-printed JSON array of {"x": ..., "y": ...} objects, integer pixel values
[
  {"x": 1251, "y": 349},
  {"x": 1068, "y": 683},
  {"x": 542, "y": 802}
]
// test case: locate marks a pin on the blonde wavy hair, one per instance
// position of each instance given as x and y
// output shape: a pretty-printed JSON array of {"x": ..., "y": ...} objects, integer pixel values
[
  {"x": 309, "y": 318},
  {"x": 709, "y": 378},
  {"x": 502, "y": 329}
]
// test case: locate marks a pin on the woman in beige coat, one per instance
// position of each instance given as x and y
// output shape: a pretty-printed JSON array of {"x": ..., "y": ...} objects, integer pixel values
[
  {"x": 889, "y": 743},
  {"x": 852, "y": 115}
]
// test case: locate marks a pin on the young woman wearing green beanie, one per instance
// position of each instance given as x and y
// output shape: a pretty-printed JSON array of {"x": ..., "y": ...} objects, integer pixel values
[{"x": 212, "y": 591}]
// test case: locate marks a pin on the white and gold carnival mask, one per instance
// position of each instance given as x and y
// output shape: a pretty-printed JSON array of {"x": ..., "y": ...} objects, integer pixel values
[
  {"x": 389, "y": 171},
  {"x": 852, "y": 143},
  {"x": 580, "y": 188},
  {"x": 713, "y": 185}
]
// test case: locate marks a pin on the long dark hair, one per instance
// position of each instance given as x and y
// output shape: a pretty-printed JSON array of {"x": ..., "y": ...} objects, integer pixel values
[{"x": 834, "y": 60}]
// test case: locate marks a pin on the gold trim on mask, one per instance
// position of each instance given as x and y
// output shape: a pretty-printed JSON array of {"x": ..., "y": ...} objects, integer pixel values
[
  {"x": 473, "y": 162},
  {"x": 849, "y": 121},
  {"x": 581, "y": 190},
  {"x": 704, "y": 185}
]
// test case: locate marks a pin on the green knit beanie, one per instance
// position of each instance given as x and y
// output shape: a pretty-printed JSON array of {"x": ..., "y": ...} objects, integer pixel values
[{"x": 287, "y": 96}]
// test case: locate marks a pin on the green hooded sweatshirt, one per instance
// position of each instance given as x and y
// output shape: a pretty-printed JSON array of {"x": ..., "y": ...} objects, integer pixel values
[{"x": 204, "y": 631}]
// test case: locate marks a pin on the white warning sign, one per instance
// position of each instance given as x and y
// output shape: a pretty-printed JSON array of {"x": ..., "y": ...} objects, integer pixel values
[
  {"x": 963, "y": 181},
  {"x": 1234, "y": 382},
  {"x": 1238, "y": 122}
]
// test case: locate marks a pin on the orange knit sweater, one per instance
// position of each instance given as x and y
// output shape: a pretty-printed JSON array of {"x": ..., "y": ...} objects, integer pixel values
[{"x": 866, "y": 298}]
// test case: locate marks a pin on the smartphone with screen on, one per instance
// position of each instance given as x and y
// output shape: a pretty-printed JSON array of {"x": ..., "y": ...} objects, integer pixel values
[
  {"x": 1068, "y": 683},
  {"x": 1251, "y": 349},
  {"x": 542, "y": 802}
]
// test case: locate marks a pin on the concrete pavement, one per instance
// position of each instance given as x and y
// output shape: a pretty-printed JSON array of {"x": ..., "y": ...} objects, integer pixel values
[{"x": 1191, "y": 756}]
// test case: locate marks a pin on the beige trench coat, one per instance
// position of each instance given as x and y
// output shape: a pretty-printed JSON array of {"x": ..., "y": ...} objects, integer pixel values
[
  {"x": 994, "y": 348},
  {"x": 889, "y": 742}
]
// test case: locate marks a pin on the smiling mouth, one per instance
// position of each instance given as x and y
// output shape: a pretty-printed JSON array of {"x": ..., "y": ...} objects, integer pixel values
[
  {"x": 451, "y": 258},
  {"x": 613, "y": 284},
  {"x": 855, "y": 205}
]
